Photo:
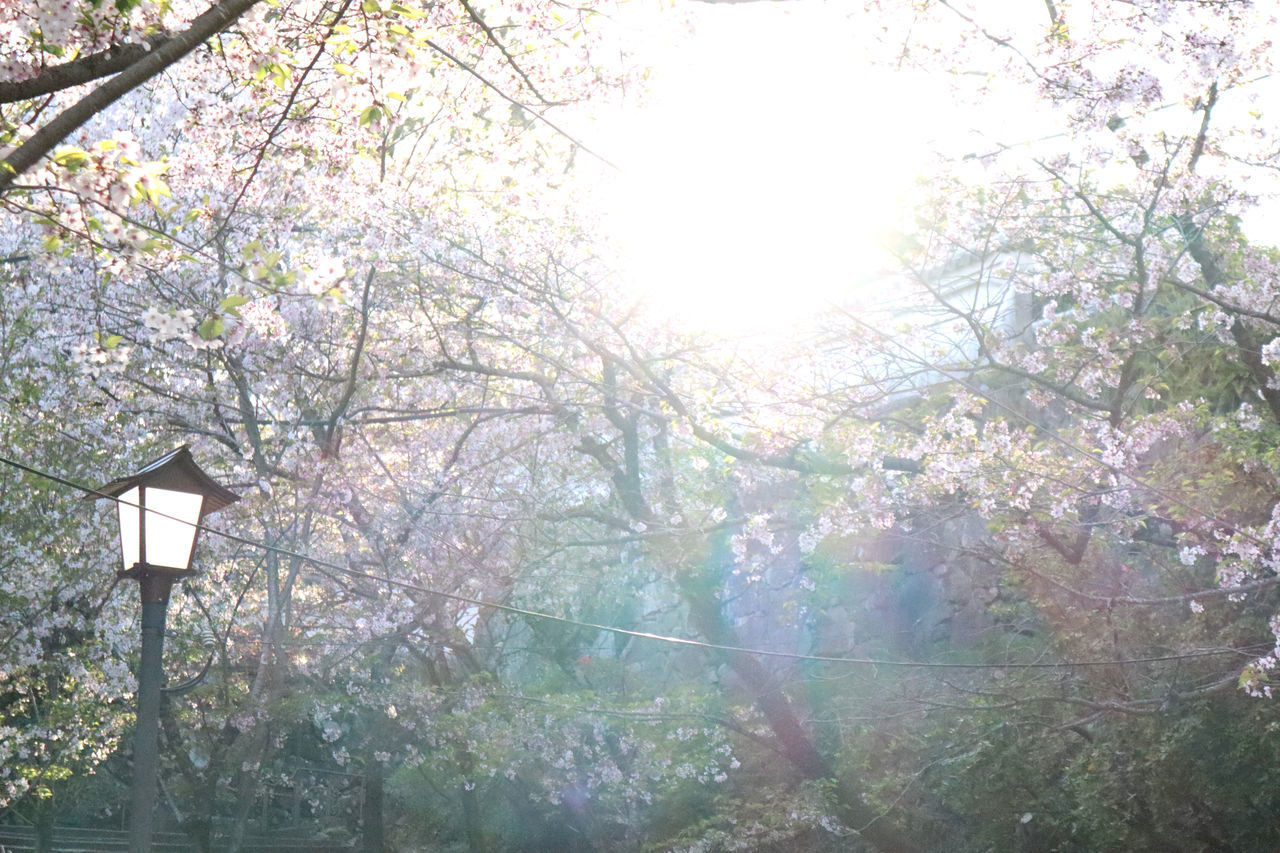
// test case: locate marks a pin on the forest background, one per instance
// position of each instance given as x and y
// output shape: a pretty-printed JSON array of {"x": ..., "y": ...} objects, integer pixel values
[{"x": 979, "y": 557}]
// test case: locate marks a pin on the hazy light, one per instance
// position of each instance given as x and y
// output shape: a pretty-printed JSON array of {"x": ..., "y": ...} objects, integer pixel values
[{"x": 765, "y": 168}]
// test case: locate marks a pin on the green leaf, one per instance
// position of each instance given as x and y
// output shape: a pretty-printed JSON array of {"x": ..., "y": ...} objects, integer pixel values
[
  {"x": 71, "y": 158},
  {"x": 370, "y": 115},
  {"x": 231, "y": 303},
  {"x": 210, "y": 328},
  {"x": 281, "y": 74},
  {"x": 370, "y": 7},
  {"x": 158, "y": 189},
  {"x": 109, "y": 341}
]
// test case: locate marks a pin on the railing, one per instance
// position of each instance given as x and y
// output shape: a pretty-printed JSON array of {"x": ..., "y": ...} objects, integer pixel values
[{"x": 70, "y": 839}]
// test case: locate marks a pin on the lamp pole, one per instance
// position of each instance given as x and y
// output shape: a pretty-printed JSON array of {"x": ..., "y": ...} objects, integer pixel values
[
  {"x": 154, "y": 588},
  {"x": 160, "y": 509}
]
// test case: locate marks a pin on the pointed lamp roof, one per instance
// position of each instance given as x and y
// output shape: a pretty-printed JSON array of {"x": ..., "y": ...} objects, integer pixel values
[{"x": 178, "y": 471}]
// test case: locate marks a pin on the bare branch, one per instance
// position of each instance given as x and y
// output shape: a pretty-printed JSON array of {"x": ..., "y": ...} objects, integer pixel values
[
  {"x": 539, "y": 116},
  {"x": 284, "y": 114},
  {"x": 511, "y": 60}
]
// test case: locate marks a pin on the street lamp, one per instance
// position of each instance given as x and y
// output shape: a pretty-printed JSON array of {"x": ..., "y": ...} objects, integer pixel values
[{"x": 159, "y": 509}]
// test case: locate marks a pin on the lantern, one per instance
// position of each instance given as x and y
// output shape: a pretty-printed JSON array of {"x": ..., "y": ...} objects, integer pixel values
[{"x": 160, "y": 508}]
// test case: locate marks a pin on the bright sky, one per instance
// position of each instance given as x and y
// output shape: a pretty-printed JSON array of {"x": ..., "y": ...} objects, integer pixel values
[{"x": 765, "y": 165}]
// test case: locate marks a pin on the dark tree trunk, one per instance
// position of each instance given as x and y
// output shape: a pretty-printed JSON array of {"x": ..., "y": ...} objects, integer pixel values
[
  {"x": 44, "y": 825},
  {"x": 374, "y": 785},
  {"x": 471, "y": 818}
]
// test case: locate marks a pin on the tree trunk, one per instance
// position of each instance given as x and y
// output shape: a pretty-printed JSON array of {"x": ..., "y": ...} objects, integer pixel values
[
  {"x": 251, "y": 747},
  {"x": 698, "y": 590},
  {"x": 374, "y": 785},
  {"x": 471, "y": 818},
  {"x": 44, "y": 825},
  {"x": 245, "y": 797}
]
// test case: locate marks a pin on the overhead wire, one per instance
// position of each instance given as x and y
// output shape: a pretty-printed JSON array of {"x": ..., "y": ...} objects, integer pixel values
[{"x": 321, "y": 563}]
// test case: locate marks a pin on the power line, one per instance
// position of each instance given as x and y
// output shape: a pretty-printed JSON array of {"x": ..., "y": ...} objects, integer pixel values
[{"x": 626, "y": 632}]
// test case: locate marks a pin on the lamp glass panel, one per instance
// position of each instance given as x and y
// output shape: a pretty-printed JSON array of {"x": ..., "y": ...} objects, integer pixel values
[
  {"x": 127, "y": 507},
  {"x": 170, "y": 539}
]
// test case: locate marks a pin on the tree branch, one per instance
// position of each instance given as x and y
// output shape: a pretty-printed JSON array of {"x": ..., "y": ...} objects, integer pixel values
[
  {"x": 539, "y": 116},
  {"x": 511, "y": 60},
  {"x": 77, "y": 72},
  {"x": 330, "y": 431},
  {"x": 1094, "y": 211},
  {"x": 1053, "y": 12},
  {"x": 213, "y": 21},
  {"x": 284, "y": 114},
  {"x": 1246, "y": 344},
  {"x": 1198, "y": 148}
]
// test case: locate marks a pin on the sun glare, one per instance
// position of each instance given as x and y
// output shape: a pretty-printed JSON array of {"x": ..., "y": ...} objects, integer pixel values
[{"x": 763, "y": 170}]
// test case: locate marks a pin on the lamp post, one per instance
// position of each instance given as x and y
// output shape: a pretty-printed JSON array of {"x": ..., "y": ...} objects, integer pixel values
[{"x": 159, "y": 509}]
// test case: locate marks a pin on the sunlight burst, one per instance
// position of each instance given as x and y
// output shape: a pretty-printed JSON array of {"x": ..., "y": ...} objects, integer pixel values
[{"x": 765, "y": 170}]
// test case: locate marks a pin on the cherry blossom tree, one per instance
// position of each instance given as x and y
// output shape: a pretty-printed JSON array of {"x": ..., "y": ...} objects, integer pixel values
[{"x": 334, "y": 246}]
